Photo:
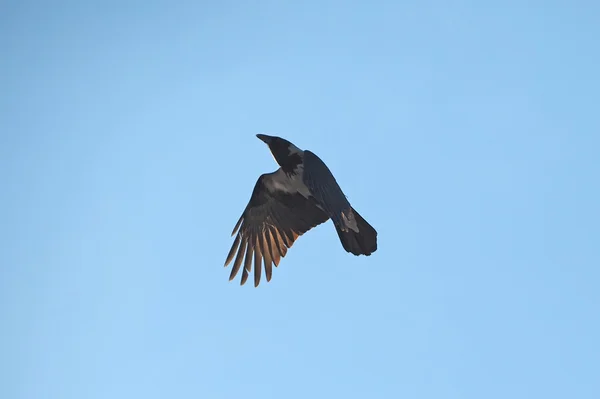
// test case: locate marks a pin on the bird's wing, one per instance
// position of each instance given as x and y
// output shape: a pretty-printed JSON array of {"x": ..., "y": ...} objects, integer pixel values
[
  {"x": 272, "y": 221},
  {"x": 327, "y": 192}
]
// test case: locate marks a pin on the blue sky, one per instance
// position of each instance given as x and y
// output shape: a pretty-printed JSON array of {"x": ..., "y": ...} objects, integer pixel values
[{"x": 466, "y": 132}]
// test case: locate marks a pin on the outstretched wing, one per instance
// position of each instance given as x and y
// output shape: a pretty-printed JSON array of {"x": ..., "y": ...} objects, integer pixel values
[
  {"x": 272, "y": 221},
  {"x": 327, "y": 192}
]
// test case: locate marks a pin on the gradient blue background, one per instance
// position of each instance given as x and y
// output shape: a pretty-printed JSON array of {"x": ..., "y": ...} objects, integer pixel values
[{"x": 466, "y": 132}]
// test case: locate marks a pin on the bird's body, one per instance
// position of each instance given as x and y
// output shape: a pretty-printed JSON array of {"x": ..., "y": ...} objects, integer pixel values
[{"x": 285, "y": 204}]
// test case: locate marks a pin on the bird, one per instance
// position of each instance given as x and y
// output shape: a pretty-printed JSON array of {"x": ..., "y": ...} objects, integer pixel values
[{"x": 300, "y": 195}]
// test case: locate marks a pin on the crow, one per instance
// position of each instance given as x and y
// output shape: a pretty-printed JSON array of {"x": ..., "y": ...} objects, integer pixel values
[{"x": 285, "y": 204}]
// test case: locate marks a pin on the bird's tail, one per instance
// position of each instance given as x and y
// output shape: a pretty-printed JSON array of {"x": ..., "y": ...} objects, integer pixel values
[{"x": 363, "y": 242}]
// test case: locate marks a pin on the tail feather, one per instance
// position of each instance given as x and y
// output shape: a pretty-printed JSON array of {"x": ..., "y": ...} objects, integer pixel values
[{"x": 362, "y": 243}]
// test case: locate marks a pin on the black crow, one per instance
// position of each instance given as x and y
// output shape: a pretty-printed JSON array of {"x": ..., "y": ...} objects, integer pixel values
[{"x": 285, "y": 204}]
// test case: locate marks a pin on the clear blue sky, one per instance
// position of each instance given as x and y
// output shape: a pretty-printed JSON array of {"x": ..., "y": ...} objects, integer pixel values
[{"x": 466, "y": 132}]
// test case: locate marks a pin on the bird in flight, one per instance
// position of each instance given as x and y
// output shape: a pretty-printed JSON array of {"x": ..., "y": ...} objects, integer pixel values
[{"x": 285, "y": 204}]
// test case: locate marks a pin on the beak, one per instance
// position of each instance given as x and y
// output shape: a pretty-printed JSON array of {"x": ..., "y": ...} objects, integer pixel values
[{"x": 265, "y": 138}]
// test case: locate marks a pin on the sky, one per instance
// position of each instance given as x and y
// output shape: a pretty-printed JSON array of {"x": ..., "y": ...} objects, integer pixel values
[{"x": 466, "y": 132}]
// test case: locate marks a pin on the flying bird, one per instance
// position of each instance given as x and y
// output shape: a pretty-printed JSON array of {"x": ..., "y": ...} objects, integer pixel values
[{"x": 285, "y": 204}]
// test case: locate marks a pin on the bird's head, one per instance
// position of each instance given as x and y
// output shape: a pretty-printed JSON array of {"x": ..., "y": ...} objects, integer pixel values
[{"x": 286, "y": 154}]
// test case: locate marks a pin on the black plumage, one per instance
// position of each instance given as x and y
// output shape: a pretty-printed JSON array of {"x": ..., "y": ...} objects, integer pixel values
[{"x": 287, "y": 203}]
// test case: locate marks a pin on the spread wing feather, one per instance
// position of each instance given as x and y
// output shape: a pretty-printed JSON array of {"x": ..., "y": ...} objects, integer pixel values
[{"x": 271, "y": 223}]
